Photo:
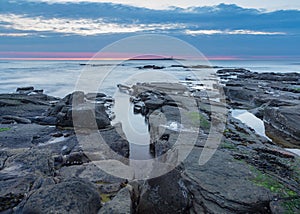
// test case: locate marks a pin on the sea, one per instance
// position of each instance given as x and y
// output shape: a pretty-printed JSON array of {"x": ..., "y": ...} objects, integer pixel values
[{"x": 58, "y": 78}]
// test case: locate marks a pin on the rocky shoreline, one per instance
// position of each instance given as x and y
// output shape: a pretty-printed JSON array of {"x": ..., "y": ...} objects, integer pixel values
[{"x": 48, "y": 166}]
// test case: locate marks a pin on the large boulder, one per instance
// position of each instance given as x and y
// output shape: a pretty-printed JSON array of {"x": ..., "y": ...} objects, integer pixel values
[
  {"x": 19, "y": 174},
  {"x": 285, "y": 119},
  {"x": 165, "y": 194},
  {"x": 84, "y": 115},
  {"x": 70, "y": 196}
]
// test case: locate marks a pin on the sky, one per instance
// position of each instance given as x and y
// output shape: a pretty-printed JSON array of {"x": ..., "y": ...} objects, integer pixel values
[
  {"x": 77, "y": 29},
  {"x": 269, "y": 5}
]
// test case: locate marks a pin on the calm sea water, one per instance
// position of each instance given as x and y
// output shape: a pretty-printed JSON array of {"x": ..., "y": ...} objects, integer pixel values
[{"x": 59, "y": 78}]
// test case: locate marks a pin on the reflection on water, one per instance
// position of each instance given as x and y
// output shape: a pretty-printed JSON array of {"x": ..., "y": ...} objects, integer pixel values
[
  {"x": 257, "y": 124},
  {"x": 295, "y": 151},
  {"x": 250, "y": 120},
  {"x": 134, "y": 127}
]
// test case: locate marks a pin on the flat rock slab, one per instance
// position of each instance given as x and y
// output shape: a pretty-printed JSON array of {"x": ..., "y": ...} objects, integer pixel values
[
  {"x": 89, "y": 172},
  {"x": 285, "y": 119},
  {"x": 24, "y": 105},
  {"x": 22, "y": 135},
  {"x": 222, "y": 185}
]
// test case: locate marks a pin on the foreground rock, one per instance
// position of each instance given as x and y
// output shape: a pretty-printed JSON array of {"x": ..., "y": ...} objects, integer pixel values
[
  {"x": 60, "y": 198},
  {"x": 47, "y": 166},
  {"x": 121, "y": 203},
  {"x": 246, "y": 174},
  {"x": 44, "y": 166}
]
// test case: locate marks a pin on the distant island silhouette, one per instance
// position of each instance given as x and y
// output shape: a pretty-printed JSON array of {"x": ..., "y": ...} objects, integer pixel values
[{"x": 154, "y": 57}]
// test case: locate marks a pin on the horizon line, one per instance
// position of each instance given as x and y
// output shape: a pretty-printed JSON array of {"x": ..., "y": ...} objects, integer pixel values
[
  {"x": 87, "y": 56},
  {"x": 210, "y": 58}
]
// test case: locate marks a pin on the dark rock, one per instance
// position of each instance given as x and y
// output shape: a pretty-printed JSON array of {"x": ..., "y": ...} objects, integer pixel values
[
  {"x": 44, "y": 120},
  {"x": 61, "y": 145},
  {"x": 239, "y": 94},
  {"x": 23, "y": 105},
  {"x": 165, "y": 194},
  {"x": 120, "y": 204},
  {"x": 7, "y": 121},
  {"x": 139, "y": 108},
  {"x": 74, "y": 99},
  {"x": 109, "y": 99},
  {"x": 233, "y": 71},
  {"x": 33, "y": 160},
  {"x": 56, "y": 109},
  {"x": 57, "y": 134},
  {"x": 25, "y": 90},
  {"x": 135, "y": 99},
  {"x": 216, "y": 189},
  {"x": 278, "y": 77},
  {"x": 13, "y": 189},
  {"x": 89, "y": 172},
  {"x": 76, "y": 158},
  {"x": 144, "y": 95},
  {"x": 171, "y": 113},
  {"x": 123, "y": 87},
  {"x": 86, "y": 117},
  {"x": 151, "y": 67},
  {"x": 116, "y": 140},
  {"x": 17, "y": 119},
  {"x": 94, "y": 96},
  {"x": 154, "y": 103},
  {"x": 71, "y": 196},
  {"x": 20, "y": 171},
  {"x": 178, "y": 66},
  {"x": 285, "y": 120},
  {"x": 22, "y": 135},
  {"x": 279, "y": 206},
  {"x": 38, "y": 91}
]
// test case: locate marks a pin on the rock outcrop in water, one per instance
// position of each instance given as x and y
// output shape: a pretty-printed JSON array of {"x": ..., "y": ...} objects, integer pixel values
[{"x": 46, "y": 167}]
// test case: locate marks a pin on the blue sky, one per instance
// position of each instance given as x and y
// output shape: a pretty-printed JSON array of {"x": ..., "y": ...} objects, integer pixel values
[{"x": 217, "y": 28}]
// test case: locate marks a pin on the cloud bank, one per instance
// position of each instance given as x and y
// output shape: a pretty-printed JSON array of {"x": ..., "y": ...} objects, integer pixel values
[
  {"x": 91, "y": 27},
  {"x": 86, "y": 26}
]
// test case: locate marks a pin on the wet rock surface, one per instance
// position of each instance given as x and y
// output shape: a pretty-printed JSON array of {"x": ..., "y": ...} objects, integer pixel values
[
  {"x": 49, "y": 166},
  {"x": 273, "y": 97},
  {"x": 43, "y": 165},
  {"x": 246, "y": 174}
]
